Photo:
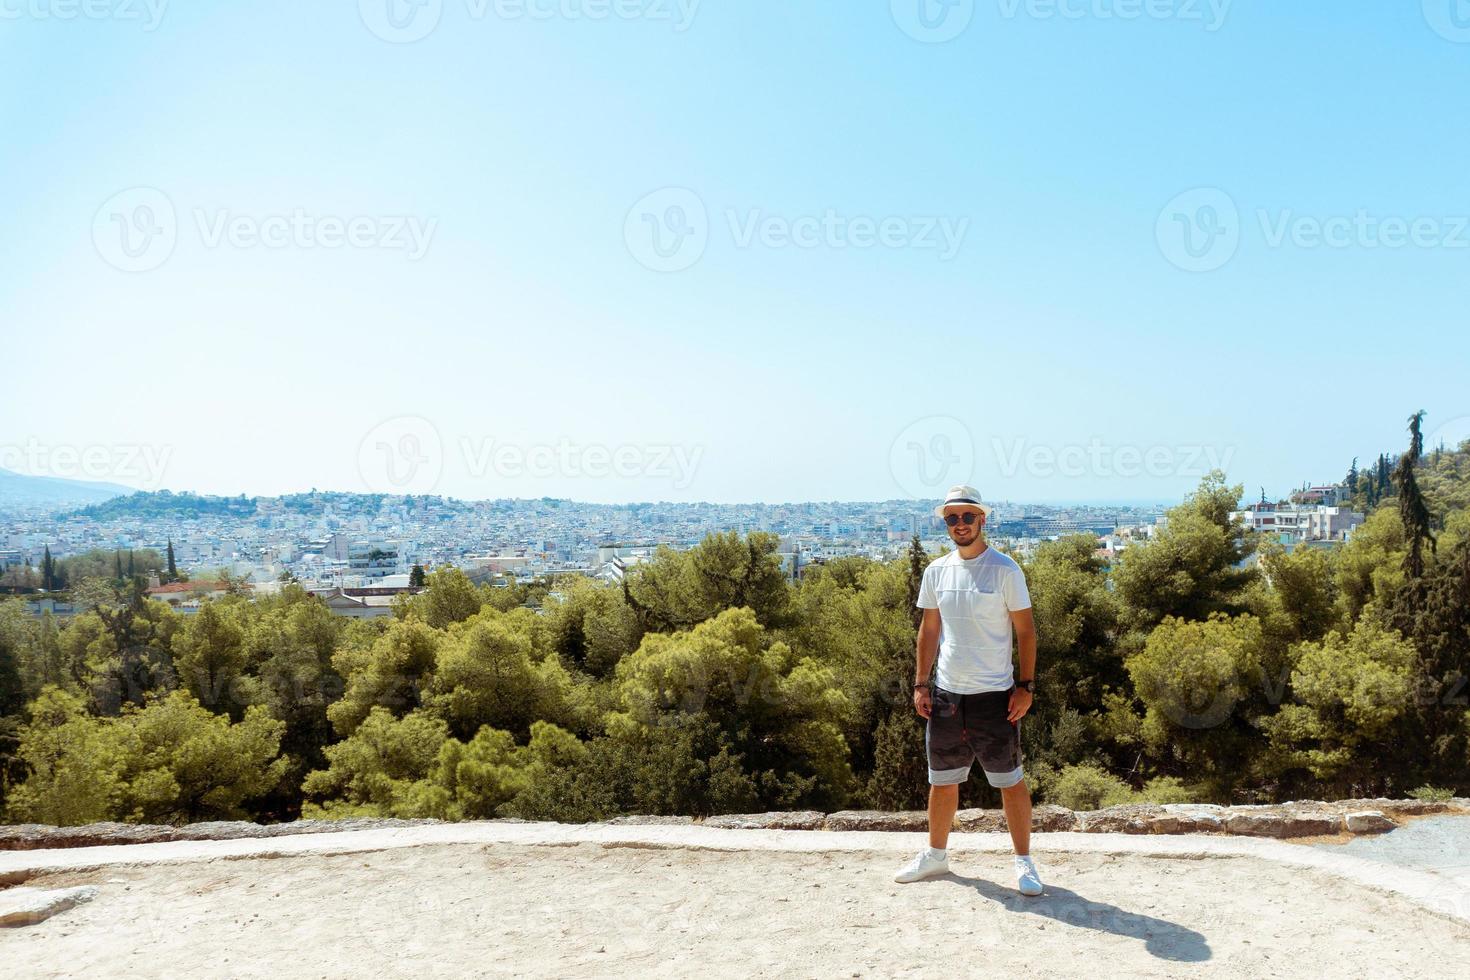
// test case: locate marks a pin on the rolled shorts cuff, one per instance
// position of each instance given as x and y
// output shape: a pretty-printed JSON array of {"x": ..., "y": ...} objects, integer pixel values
[
  {"x": 948, "y": 777},
  {"x": 1003, "y": 780}
]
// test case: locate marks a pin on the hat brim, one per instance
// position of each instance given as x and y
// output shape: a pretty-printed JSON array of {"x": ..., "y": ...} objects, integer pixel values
[{"x": 984, "y": 508}]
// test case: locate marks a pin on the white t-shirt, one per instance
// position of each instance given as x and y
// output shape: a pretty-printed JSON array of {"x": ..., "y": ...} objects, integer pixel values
[{"x": 975, "y": 599}]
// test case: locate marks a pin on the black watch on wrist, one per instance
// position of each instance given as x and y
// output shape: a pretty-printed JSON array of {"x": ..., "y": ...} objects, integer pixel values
[{"x": 1030, "y": 686}]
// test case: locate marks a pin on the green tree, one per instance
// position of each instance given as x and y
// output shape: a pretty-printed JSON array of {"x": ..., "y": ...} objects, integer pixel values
[
  {"x": 1349, "y": 694},
  {"x": 1200, "y": 683},
  {"x": 591, "y": 626},
  {"x": 210, "y": 658},
  {"x": 129, "y": 656},
  {"x": 389, "y": 673},
  {"x": 1303, "y": 596},
  {"x": 75, "y": 769},
  {"x": 171, "y": 761},
  {"x": 373, "y": 771},
  {"x": 289, "y": 645},
  {"x": 183, "y": 763},
  {"x": 1413, "y": 511},
  {"x": 450, "y": 598},
  {"x": 1077, "y": 622},
  {"x": 679, "y": 589},
  {"x": 779, "y": 716},
  {"x": 488, "y": 674},
  {"x": 1193, "y": 567}
]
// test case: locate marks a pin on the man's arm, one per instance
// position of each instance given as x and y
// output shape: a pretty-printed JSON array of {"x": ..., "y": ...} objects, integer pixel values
[
  {"x": 928, "y": 646},
  {"x": 1025, "y": 626},
  {"x": 1024, "y": 623},
  {"x": 926, "y": 650}
]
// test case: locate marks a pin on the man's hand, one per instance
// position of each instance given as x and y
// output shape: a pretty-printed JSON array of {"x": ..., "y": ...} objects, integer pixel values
[
  {"x": 923, "y": 704},
  {"x": 1020, "y": 704}
]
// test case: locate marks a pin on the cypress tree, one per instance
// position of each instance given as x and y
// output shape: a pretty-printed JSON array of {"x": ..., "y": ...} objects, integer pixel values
[
  {"x": 1413, "y": 511},
  {"x": 48, "y": 571},
  {"x": 173, "y": 569},
  {"x": 917, "y": 561}
]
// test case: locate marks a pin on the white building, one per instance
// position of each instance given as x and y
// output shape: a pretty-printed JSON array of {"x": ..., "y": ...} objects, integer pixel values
[
  {"x": 373, "y": 559},
  {"x": 1300, "y": 522}
]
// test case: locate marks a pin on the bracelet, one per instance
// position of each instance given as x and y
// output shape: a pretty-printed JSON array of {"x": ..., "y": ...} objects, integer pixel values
[{"x": 921, "y": 684}]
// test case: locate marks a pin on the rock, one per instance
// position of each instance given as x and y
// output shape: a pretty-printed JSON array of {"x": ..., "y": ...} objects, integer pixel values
[
  {"x": 1281, "y": 823},
  {"x": 1398, "y": 807},
  {"x": 33, "y": 836},
  {"x": 1050, "y": 818},
  {"x": 907, "y": 820},
  {"x": 1189, "y": 818},
  {"x": 1046, "y": 818},
  {"x": 1128, "y": 818},
  {"x": 1367, "y": 822},
  {"x": 642, "y": 820},
  {"x": 973, "y": 821},
  {"x": 27, "y": 906},
  {"x": 797, "y": 820}
]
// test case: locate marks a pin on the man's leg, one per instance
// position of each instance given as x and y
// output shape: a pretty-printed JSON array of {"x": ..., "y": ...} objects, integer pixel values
[
  {"x": 1016, "y": 801},
  {"x": 943, "y": 802}
]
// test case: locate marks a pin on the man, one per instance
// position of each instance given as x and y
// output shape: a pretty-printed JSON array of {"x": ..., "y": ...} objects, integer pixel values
[{"x": 974, "y": 599}]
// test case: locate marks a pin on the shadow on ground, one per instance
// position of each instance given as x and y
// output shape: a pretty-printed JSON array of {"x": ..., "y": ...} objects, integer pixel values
[{"x": 1164, "y": 939}]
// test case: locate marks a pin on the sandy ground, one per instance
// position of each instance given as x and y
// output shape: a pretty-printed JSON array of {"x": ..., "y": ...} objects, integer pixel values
[{"x": 631, "y": 907}]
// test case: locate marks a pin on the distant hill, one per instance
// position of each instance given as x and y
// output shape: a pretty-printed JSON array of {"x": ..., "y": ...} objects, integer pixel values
[
  {"x": 50, "y": 491},
  {"x": 164, "y": 503}
]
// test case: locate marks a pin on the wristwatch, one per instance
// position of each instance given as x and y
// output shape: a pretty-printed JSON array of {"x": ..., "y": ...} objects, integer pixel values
[{"x": 1030, "y": 686}]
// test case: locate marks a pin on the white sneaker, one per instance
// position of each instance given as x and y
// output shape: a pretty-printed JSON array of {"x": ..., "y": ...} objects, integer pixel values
[
  {"x": 922, "y": 867},
  {"x": 1027, "y": 880}
]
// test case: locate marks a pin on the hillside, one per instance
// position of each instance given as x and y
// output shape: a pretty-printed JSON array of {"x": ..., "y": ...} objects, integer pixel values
[{"x": 20, "y": 490}]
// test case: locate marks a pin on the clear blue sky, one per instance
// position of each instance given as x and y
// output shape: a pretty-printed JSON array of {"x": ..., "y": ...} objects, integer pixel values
[{"x": 1066, "y": 326}]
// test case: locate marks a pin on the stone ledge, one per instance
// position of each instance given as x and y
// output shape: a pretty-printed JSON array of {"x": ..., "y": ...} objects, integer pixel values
[
  {"x": 798, "y": 820},
  {"x": 1302, "y": 818}
]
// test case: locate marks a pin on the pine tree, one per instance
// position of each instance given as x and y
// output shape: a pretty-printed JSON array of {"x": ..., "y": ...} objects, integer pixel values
[
  {"x": 917, "y": 560},
  {"x": 416, "y": 577},
  {"x": 1413, "y": 511}
]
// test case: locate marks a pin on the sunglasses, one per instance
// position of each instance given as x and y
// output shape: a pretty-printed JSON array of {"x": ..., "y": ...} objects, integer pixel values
[{"x": 967, "y": 518}]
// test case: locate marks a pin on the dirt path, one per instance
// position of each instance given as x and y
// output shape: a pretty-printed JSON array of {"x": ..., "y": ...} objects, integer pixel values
[{"x": 627, "y": 908}]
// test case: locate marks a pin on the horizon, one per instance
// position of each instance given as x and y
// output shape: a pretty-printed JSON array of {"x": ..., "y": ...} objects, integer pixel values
[{"x": 997, "y": 502}]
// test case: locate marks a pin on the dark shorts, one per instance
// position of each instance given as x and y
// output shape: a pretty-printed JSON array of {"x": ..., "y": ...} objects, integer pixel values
[{"x": 966, "y": 727}]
